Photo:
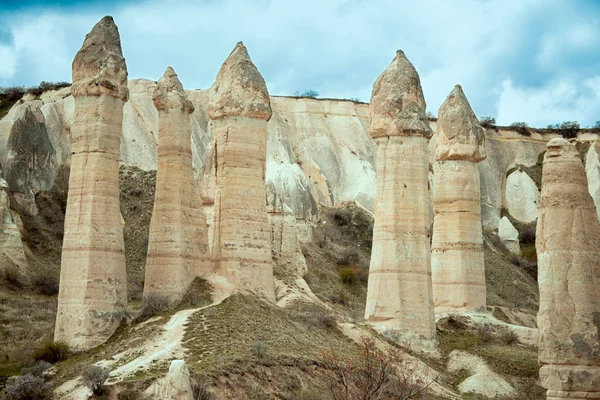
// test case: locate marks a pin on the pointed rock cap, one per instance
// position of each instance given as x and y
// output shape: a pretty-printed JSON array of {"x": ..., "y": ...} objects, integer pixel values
[
  {"x": 239, "y": 89},
  {"x": 459, "y": 134},
  {"x": 169, "y": 93},
  {"x": 397, "y": 105},
  {"x": 99, "y": 67}
]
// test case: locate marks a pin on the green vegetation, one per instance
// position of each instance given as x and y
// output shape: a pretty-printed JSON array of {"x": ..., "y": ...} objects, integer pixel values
[
  {"x": 487, "y": 122},
  {"x": 10, "y": 95},
  {"x": 521, "y": 127},
  {"x": 52, "y": 352},
  {"x": 313, "y": 94}
]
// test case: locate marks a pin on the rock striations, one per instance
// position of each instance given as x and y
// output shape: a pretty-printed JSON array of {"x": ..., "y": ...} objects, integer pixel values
[
  {"x": 568, "y": 233},
  {"x": 178, "y": 242},
  {"x": 93, "y": 291},
  {"x": 399, "y": 296},
  {"x": 239, "y": 107},
  {"x": 457, "y": 247}
]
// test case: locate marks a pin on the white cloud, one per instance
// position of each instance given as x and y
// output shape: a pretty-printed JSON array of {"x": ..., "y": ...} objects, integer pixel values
[
  {"x": 559, "y": 101},
  {"x": 8, "y": 65},
  {"x": 337, "y": 47}
]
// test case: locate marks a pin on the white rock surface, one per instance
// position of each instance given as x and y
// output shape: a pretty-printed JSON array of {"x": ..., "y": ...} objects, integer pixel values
[
  {"x": 592, "y": 170},
  {"x": 483, "y": 380},
  {"x": 175, "y": 386},
  {"x": 509, "y": 236},
  {"x": 521, "y": 196}
]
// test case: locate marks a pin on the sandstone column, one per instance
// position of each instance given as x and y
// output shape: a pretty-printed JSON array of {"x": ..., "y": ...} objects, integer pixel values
[
  {"x": 93, "y": 291},
  {"x": 399, "y": 296},
  {"x": 239, "y": 107},
  {"x": 457, "y": 247},
  {"x": 177, "y": 245},
  {"x": 568, "y": 234}
]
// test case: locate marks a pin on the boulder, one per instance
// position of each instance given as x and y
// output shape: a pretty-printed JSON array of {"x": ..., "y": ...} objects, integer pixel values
[
  {"x": 175, "y": 386},
  {"x": 509, "y": 236}
]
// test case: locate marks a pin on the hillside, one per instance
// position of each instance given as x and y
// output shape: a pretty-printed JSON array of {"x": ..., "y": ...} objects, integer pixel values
[{"x": 321, "y": 164}]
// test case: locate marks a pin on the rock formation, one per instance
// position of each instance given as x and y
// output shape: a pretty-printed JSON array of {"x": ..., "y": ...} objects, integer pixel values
[
  {"x": 93, "y": 285},
  {"x": 521, "y": 196},
  {"x": 10, "y": 236},
  {"x": 239, "y": 107},
  {"x": 457, "y": 246},
  {"x": 509, "y": 236},
  {"x": 399, "y": 296},
  {"x": 285, "y": 247},
  {"x": 568, "y": 233},
  {"x": 175, "y": 386},
  {"x": 178, "y": 243}
]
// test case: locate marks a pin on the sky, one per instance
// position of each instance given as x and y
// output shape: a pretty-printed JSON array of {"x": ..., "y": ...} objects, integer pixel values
[{"x": 536, "y": 61}]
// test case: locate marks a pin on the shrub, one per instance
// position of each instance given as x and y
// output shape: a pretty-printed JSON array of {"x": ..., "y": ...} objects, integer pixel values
[
  {"x": 94, "y": 378},
  {"x": 37, "y": 369},
  {"x": 308, "y": 93},
  {"x": 527, "y": 235},
  {"x": 348, "y": 275},
  {"x": 570, "y": 129},
  {"x": 260, "y": 349},
  {"x": 374, "y": 375},
  {"x": 201, "y": 390},
  {"x": 322, "y": 318},
  {"x": 485, "y": 333},
  {"x": 27, "y": 387},
  {"x": 509, "y": 338},
  {"x": 46, "y": 284},
  {"x": 341, "y": 298},
  {"x": 596, "y": 125},
  {"x": 342, "y": 217},
  {"x": 12, "y": 276},
  {"x": 521, "y": 127},
  {"x": 487, "y": 122},
  {"x": 52, "y": 352},
  {"x": 152, "y": 305}
]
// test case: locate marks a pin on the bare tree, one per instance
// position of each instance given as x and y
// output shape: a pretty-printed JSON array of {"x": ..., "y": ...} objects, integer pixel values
[{"x": 373, "y": 376}]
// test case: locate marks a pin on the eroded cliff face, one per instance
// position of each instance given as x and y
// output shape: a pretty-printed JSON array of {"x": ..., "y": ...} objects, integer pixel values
[{"x": 318, "y": 151}]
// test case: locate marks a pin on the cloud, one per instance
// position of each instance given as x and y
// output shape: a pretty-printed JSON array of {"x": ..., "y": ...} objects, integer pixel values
[
  {"x": 564, "y": 100},
  {"x": 337, "y": 47},
  {"x": 8, "y": 66}
]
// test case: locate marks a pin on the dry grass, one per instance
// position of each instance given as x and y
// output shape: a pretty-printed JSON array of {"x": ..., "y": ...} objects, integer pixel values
[
  {"x": 26, "y": 321},
  {"x": 220, "y": 336}
]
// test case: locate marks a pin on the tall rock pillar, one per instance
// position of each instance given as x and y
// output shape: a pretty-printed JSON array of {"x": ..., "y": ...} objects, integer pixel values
[
  {"x": 178, "y": 242},
  {"x": 93, "y": 285},
  {"x": 239, "y": 107},
  {"x": 399, "y": 296},
  {"x": 457, "y": 263},
  {"x": 568, "y": 233}
]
